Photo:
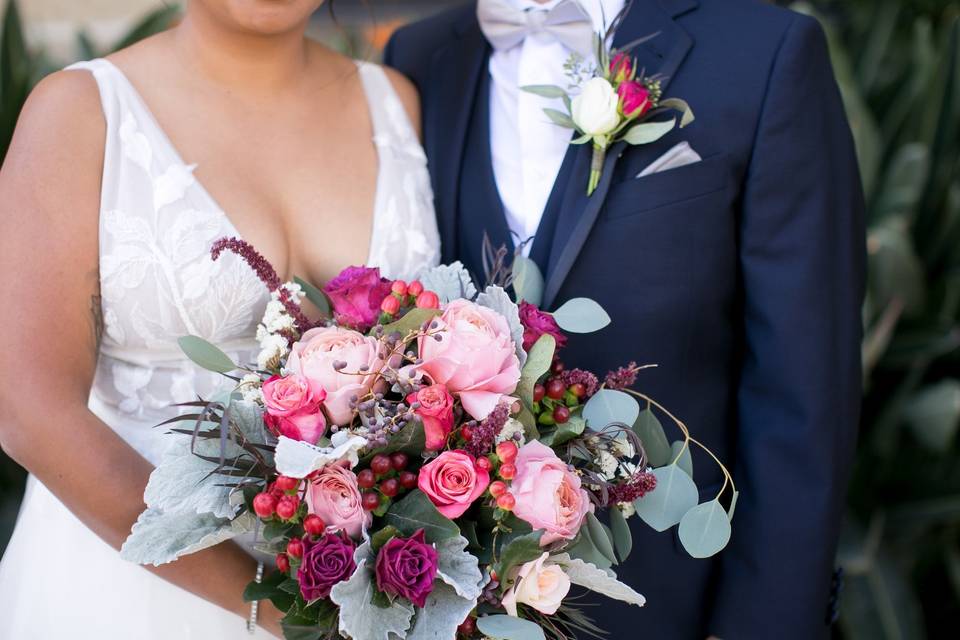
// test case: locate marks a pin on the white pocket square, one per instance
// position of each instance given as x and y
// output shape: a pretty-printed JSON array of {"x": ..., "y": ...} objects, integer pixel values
[{"x": 679, "y": 156}]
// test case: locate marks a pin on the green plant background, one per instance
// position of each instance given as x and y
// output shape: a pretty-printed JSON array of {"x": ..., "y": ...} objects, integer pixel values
[{"x": 898, "y": 64}]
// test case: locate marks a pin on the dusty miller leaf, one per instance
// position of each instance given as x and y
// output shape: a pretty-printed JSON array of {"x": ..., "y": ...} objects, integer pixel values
[
  {"x": 497, "y": 299},
  {"x": 360, "y": 619},
  {"x": 590, "y": 577},
  {"x": 158, "y": 538},
  {"x": 449, "y": 282},
  {"x": 444, "y": 612},
  {"x": 458, "y": 568}
]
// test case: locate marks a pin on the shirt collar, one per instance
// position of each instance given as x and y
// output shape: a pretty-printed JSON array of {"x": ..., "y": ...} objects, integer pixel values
[{"x": 601, "y": 12}]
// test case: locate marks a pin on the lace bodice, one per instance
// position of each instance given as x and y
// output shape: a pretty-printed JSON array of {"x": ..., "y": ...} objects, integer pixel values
[{"x": 157, "y": 280}]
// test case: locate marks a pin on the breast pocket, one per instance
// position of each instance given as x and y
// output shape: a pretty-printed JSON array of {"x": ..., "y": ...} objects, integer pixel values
[{"x": 635, "y": 195}]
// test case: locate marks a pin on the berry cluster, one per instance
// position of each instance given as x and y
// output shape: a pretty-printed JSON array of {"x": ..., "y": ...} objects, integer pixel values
[
  {"x": 281, "y": 500},
  {"x": 385, "y": 478},
  {"x": 556, "y": 399},
  {"x": 404, "y": 296}
]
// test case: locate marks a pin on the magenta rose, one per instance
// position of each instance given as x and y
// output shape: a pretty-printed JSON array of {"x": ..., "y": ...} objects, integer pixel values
[
  {"x": 453, "y": 481},
  {"x": 548, "y": 494},
  {"x": 634, "y": 99},
  {"x": 315, "y": 355},
  {"x": 407, "y": 567},
  {"x": 326, "y": 562},
  {"x": 537, "y": 323},
  {"x": 333, "y": 495},
  {"x": 475, "y": 357},
  {"x": 293, "y": 408},
  {"x": 356, "y": 295},
  {"x": 436, "y": 412}
]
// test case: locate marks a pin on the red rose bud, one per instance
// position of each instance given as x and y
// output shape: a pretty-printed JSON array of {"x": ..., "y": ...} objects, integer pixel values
[
  {"x": 283, "y": 563},
  {"x": 634, "y": 99},
  {"x": 390, "y": 305},
  {"x": 399, "y": 287},
  {"x": 295, "y": 548},
  {"x": 314, "y": 525},
  {"x": 498, "y": 488},
  {"x": 621, "y": 68},
  {"x": 264, "y": 504},
  {"x": 287, "y": 507},
  {"x": 414, "y": 289},
  {"x": 507, "y": 502},
  {"x": 286, "y": 483},
  {"x": 428, "y": 300}
]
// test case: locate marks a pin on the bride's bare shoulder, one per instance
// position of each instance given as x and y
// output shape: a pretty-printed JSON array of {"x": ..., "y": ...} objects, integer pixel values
[{"x": 407, "y": 93}]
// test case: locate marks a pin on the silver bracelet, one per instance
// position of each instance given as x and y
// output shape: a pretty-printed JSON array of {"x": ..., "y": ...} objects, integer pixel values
[{"x": 255, "y": 605}]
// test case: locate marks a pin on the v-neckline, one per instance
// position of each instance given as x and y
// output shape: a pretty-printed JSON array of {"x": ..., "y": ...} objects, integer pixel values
[{"x": 209, "y": 197}]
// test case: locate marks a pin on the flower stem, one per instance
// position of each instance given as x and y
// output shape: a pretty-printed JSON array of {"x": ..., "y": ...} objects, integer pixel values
[{"x": 596, "y": 168}]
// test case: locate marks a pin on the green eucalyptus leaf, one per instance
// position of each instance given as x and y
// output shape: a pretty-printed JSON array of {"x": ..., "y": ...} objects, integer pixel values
[
  {"x": 517, "y": 552},
  {"x": 601, "y": 539},
  {"x": 206, "y": 354},
  {"x": 609, "y": 406},
  {"x": 509, "y": 628},
  {"x": 622, "y": 538},
  {"x": 545, "y": 90},
  {"x": 705, "y": 529},
  {"x": 581, "y": 315},
  {"x": 560, "y": 118},
  {"x": 647, "y": 132},
  {"x": 411, "y": 321},
  {"x": 674, "y": 495},
  {"x": 685, "y": 460},
  {"x": 317, "y": 297},
  {"x": 650, "y": 431},
  {"x": 583, "y": 548},
  {"x": 537, "y": 365},
  {"x": 527, "y": 280}
]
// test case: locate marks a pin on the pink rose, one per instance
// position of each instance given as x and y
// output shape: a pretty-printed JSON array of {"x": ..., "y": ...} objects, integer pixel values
[
  {"x": 436, "y": 412},
  {"x": 475, "y": 357},
  {"x": 333, "y": 495},
  {"x": 537, "y": 323},
  {"x": 621, "y": 68},
  {"x": 453, "y": 481},
  {"x": 356, "y": 295},
  {"x": 314, "y": 356},
  {"x": 293, "y": 408},
  {"x": 634, "y": 99},
  {"x": 548, "y": 494}
]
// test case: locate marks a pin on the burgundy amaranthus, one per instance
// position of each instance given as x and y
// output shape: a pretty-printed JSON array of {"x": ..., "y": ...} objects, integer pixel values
[
  {"x": 635, "y": 488},
  {"x": 579, "y": 376},
  {"x": 267, "y": 274},
  {"x": 622, "y": 378},
  {"x": 484, "y": 436}
]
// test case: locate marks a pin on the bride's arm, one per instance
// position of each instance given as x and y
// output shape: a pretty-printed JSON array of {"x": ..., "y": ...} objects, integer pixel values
[{"x": 49, "y": 210}]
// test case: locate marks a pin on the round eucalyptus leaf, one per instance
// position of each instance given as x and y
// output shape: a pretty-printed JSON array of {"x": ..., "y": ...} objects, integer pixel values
[
  {"x": 685, "y": 461},
  {"x": 622, "y": 538},
  {"x": 705, "y": 529},
  {"x": 527, "y": 280},
  {"x": 206, "y": 355},
  {"x": 509, "y": 628},
  {"x": 650, "y": 431},
  {"x": 581, "y": 315},
  {"x": 674, "y": 495},
  {"x": 608, "y": 406}
]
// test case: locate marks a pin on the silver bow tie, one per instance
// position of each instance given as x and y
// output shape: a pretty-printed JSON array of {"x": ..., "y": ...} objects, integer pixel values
[{"x": 505, "y": 26}]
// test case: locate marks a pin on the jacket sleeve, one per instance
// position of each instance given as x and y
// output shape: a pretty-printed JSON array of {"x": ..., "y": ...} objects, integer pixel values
[{"x": 802, "y": 263}]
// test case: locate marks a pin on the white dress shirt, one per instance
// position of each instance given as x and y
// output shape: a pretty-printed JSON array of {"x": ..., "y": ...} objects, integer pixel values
[{"x": 526, "y": 147}]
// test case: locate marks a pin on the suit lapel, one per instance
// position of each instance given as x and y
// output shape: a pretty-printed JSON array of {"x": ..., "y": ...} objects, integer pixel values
[{"x": 660, "y": 56}]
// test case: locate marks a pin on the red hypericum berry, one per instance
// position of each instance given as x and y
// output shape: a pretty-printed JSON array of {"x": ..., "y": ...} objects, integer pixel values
[
  {"x": 264, "y": 504},
  {"x": 283, "y": 563},
  {"x": 578, "y": 389},
  {"x": 408, "y": 479},
  {"x": 314, "y": 525},
  {"x": 286, "y": 483},
  {"x": 390, "y": 487},
  {"x": 287, "y": 507},
  {"x": 399, "y": 287},
  {"x": 508, "y": 471},
  {"x": 399, "y": 461},
  {"x": 498, "y": 488},
  {"x": 484, "y": 463},
  {"x": 467, "y": 433},
  {"x": 561, "y": 414},
  {"x": 467, "y": 627},
  {"x": 366, "y": 479},
  {"x": 275, "y": 491},
  {"x": 428, "y": 300},
  {"x": 415, "y": 288},
  {"x": 556, "y": 389},
  {"x": 380, "y": 464},
  {"x": 390, "y": 305},
  {"x": 538, "y": 392},
  {"x": 507, "y": 502},
  {"x": 507, "y": 451},
  {"x": 371, "y": 500},
  {"x": 295, "y": 548},
  {"x": 556, "y": 368}
]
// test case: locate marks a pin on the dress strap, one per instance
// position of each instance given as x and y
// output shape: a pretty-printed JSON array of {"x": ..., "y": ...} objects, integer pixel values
[{"x": 391, "y": 124}]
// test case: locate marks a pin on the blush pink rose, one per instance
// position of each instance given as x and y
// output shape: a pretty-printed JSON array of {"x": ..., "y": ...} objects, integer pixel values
[
  {"x": 475, "y": 357},
  {"x": 293, "y": 408},
  {"x": 333, "y": 495},
  {"x": 549, "y": 496},
  {"x": 453, "y": 481},
  {"x": 436, "y": 412},
  {"x": 319, "y": 349},
  {"x": 356, "y": 295}
]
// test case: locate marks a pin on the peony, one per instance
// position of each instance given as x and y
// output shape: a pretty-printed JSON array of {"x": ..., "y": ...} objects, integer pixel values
[
  {"x": 537, "y": 323},
  {"x": 538, "y": 585},
  {"x": 475, "y": 357},
  {"x": 326, "y": 562},
  {"x": 595, "y": 108},
  {"x": 356, "y": 295},
  {"x": 293, "y": 408},
  {"x": 333, "y": 495},
  {"x": 453, "y": 481},
  {"x": 548, "y": 494},
  {"x": 436, "y": 412},
  {"x": 634, "y": 99},
  {"x": 314, "y": 356},
  {"x": 407, "y": 567}
]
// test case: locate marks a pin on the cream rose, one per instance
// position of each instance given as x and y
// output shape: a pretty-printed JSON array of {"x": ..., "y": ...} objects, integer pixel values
[
  {"x": 595, "y": 108},
  {"x": 538, "y": 585}
]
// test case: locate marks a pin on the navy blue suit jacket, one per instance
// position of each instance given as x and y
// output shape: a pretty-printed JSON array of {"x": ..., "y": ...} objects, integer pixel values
[{"x": 741, "y": 276}]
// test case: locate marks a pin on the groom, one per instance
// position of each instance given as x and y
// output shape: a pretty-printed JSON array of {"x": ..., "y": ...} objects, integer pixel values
[{"x": 731, "y": 253}]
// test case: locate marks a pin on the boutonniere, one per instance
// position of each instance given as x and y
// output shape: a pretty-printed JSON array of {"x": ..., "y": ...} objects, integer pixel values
[{"x": 612, "y": 101}]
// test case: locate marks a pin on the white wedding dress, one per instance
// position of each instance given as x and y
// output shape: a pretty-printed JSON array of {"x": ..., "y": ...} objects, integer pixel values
[{"x": 57, "y": 578}]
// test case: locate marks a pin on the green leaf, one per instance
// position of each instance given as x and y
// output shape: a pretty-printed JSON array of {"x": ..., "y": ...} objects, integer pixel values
[
  {"x": 674, "y": 495},
  {"x": 677, "y": 104},
  {"x": 607, "y": 407},
  {"x": 933, "y": 415},
  {"x": 705, "y": 529},
  {"x": 517, "y": 552},
  {"x": 412, "y": 321},
  {"x": 600, "y": 537},
  {"x": 685, "y": 460},
  {"x": 622, "y": 538},
  {"x": 382, "y": 537},
  {"x": 206, "y": 355},
  {"x": 266, "y": 589},
  {"x": 414, "y": 512},
  {"x": 316, "y": 296},
  {"x": 560, "y": 118},
  {"x": 509, "y": 628},
  {"x": 581, "y": 315},
  {"x": 569, "y": 430},
  {"x": 648, "y": 428},
  {"x": 527, "y": 280},
  {"x": 647, "y": 132},
  {"x": 545, "y": 90},
  {"x": 583, "y": 548},
  {"x": 537, "y": 365}
]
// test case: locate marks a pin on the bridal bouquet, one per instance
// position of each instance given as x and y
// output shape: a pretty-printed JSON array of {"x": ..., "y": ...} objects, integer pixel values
[{"x": 421, "y": 464}]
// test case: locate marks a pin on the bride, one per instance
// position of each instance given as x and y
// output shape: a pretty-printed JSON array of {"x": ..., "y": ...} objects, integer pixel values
[{"x": 121, "y": 174}]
